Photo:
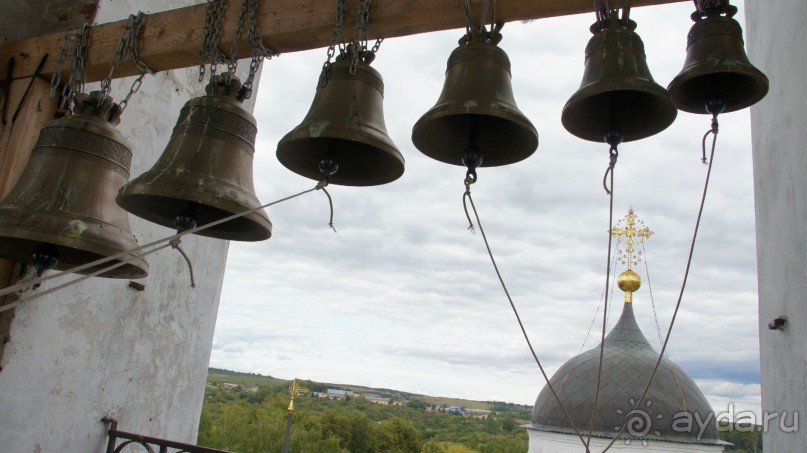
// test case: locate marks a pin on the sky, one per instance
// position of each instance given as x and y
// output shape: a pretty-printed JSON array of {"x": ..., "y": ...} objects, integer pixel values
[{"x": 403, "y": 296}]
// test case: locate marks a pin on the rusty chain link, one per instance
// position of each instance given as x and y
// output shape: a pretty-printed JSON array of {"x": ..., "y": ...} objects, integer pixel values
[
  {"x": 259, "y": 51},
  {"x": 210, "y": 52},
  {"x": 75, "y": 48},
  {"x": 127, "y": 48},
  {"x": 359, "y": 48},
  {"x": 336, "y": 40}
]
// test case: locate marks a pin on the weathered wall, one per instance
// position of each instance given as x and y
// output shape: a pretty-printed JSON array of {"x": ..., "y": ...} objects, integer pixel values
[
  {"x": 776, "y": 37},
  {"x": 100, "y": 348},
  {"x": 26, "y": 18}
]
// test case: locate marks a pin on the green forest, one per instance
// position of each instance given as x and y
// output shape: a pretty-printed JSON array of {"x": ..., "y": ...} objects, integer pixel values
[{"x": 247, "y": 413}]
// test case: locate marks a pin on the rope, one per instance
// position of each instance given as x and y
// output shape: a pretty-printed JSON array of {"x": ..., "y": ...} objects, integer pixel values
[
  {"x": 175, "y": 245},
  {"x": 330, "y": 203},
  {"x": 78, "y": 269},
  {"x": 515, "y": 310},
  {"x": 652, "y": 300},
  {"x": 609, "y": 189},
  {"x": 713, "y": 131},
  {"x": 78, "y": 280},
  {"x": 593, "y": 320}
]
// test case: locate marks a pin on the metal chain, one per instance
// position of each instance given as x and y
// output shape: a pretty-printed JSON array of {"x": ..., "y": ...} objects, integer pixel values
[
  {"x": 74, "y": 47},
  {"x": 56, "y": 79},
  {"x": 472, "y": 27},
  {"x": 210, "y": 52},
  {"x": 259, "y": 51},
  {"x": 133, "y": 52},
  {"x": 336, "y": 39},
  {"x": 127, "y": 48},
  {"x": 359, "y": 45},
  {"x": 120, "y": 51},
  {"x": 134, "y": 35},
  {"x": 232, "y": 61}
]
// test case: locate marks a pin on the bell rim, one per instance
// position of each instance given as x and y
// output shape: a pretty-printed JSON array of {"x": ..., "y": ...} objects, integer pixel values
[
  {"x": 135, "y": 268},
  {"x": 130, "y": 200},
  {"x": 689, "y": 73},
  {"x": 599, "y": 87},
  {"x": 418, "y": 136},
  {"x": 391, "y": 154}
]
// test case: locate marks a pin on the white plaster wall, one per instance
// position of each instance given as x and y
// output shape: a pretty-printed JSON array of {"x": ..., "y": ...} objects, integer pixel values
[
  {"x": 546, "y": 442},
  {"x": 776, "y": 44},
  {"x": 100, "y": 348}
]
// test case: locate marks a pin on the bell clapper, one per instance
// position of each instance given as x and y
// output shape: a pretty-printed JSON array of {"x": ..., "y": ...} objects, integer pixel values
[
  {"x": 45, "y": 257},
  {"x": 186, "y": 220},
  {"x": 328, "y": 167},
  {"x": 613, "y": 137},
  {"x": 714, "y": 107},
  {"x": 472, "y": 159}
]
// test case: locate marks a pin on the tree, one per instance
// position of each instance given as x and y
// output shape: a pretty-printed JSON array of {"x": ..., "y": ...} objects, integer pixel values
[
  {"x": 417, "y": 404},
  {"x": 399, "y": 436},
  {"x": 432, "y": 447},
  {"x": 337, "y": 425}
]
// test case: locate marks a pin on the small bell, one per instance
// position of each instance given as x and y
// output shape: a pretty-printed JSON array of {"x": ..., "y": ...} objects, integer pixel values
[
  {"x": 717, "y": 69},
  {"x": 62, "y": 212},
  {"x": 476, "y": 109},
  {"x": 205, "y": 172},
  {"x": 343, "y": 138},
  {"x": 617, "y": 95}
]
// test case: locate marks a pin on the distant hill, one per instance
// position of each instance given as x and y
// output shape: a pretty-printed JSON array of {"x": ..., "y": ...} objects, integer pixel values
[{"x": 219, "y": 375}]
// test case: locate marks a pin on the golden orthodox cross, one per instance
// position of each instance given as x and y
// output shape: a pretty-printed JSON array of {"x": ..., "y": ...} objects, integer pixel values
[{"x": 631, "y": 228}]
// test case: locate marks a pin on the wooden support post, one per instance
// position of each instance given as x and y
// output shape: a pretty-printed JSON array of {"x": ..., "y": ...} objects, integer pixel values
[
  {"x": 171, "y": 39},
  {"x": 16, "y": 141},
  {"x": 18, "y": 138}
]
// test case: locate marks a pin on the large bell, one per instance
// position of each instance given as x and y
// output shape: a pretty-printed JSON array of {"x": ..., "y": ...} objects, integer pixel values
[
  {"x": 476, "y": 110},
  {"x": 617, "y": 94},
  {"x": 716, "y": 68},
  {"x": 344, "y": 134},
  {"x": 205, "y": 172},
  {"x": 62, "y": 211}
]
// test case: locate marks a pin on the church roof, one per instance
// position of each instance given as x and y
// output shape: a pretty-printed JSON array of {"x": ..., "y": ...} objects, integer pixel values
[{"x": 674, "y": 409}]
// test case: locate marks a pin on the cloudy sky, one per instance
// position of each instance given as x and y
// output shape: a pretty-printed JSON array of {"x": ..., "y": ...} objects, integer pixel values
[{"x": 405, "y": 297}]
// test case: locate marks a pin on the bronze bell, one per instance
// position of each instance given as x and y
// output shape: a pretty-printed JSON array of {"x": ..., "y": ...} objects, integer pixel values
[
  {"x": 716, "y": 68},
  {"x": 617, "y": 93},
  {"x": 476, "y": 109},
  {"x": 62, "y": 211},
  {"x": 205, "y": 172},
  {"x": 344, "y": 134}
]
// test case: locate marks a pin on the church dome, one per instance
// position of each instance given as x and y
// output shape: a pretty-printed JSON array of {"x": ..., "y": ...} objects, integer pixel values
[{"x": 674, "y": 409}]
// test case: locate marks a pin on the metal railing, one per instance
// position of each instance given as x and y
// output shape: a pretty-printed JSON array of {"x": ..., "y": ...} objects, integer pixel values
[{"x": 149, "y": 443}]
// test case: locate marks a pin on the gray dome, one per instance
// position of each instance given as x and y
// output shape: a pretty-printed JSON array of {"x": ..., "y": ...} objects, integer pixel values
[{"x": 673, "y": 410}]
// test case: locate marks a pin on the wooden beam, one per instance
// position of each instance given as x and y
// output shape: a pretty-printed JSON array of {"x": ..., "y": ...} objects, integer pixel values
[
  {"x": 17, "y": 139},
  {"x": 171, "y": 39}
]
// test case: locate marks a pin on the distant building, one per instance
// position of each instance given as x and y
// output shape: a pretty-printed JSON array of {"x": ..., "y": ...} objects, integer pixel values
[
  {"x": 377, "y": 399},
  {"x": 336, "y": 394},
  {"x": 478, "y": 413}
]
